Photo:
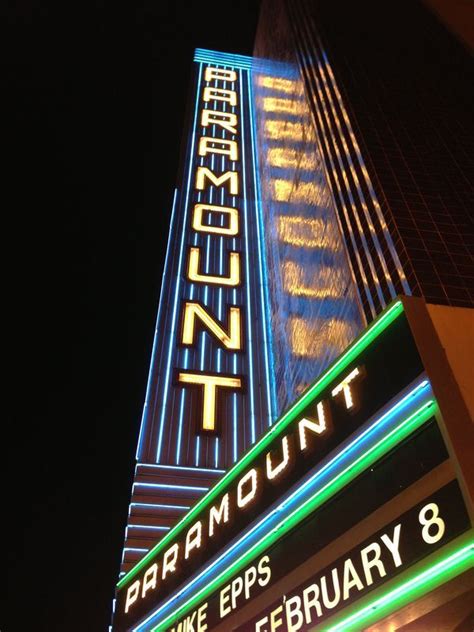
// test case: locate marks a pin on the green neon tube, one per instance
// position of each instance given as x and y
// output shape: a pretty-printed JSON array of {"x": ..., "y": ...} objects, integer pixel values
[
  {"x": 373, "y": 454},
  {"x": 361, "y": 343},
  {"x": 423, "y": 581}
]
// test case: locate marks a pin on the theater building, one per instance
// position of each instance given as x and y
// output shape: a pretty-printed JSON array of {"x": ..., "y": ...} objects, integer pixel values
[{"x": 303, "y": 459}]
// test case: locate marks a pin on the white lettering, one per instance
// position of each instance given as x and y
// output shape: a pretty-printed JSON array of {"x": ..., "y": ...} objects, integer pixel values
[
  {"x": 274, "y": 622},
  {"x": 264, "y": 569},
  {"x": 317, "y": 427},
  {"x": 224, "y": 598},
  {"x": 193, "y": 538},
  {"x": 169, "y": 560},
  {"x": 149, "y": 580},
  {"x": 394, "y": 544},
  {"x": 292, "y": 611},
  {"x": 351, "y": 579},
  {"x": 337, "y": 591},
  {"x": 260, "y": 623},
  {"x": 243, "y": 499},
  {"x": 132, "y": 594},
  {"x": 201, "y": 618},
  {"x": 311, "y": 602},
  {"x": 368, "y": 564},
  {"x": 250, "y": 577},
  {"x": 274, "y": 471},
  {"x": 345, "y": 387},
  {"x": 219, "y": 516},
  {"x": 236, "y": 590}
]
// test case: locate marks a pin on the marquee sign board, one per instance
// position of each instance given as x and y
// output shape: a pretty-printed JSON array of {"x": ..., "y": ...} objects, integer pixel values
[
  {"x": 375, "y": 369},
  {"x": 415, "y": 534}
]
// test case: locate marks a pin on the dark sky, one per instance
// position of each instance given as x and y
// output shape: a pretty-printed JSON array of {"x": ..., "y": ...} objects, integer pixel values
[{"x": 95, "y": 96}]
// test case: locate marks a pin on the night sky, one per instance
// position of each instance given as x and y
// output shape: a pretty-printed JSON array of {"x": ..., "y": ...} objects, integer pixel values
[{"x": 96, "y": 96}]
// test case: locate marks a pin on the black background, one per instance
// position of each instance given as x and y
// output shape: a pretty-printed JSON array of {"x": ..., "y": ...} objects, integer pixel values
[{"x": 95, "y": 95}]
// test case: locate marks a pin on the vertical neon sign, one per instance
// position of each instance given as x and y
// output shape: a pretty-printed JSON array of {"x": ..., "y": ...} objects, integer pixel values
[{"x": 209, "y": 389}]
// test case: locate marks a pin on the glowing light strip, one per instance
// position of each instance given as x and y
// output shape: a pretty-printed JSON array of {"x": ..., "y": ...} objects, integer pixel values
[
  {"x": 432, "y": 575},
  {"x": 360, "y": 344},
  {"x": 293, "y": 498},
  {"x": 247, "y": 280},
  {"x": 166, "y": 486},
  {"x": 198, "y": 445},
  {"x": 148, "y": 526},
  {"x": 264, "y": 293},
  {"x": 180, "y": 262},
  {"x": 203, "y": 340},
  {"x": 221, "y": 267},
  {"x": 235, "y": 436},
  {"x": 195, "y": 243},
  {"x": 182, "y": 398},
  {"x": 287, "y": 522},
  {"x": 160, "y": 506},
  {"x": 134, "y": 549},
  {"x": 220, "y": 290},
  {"x": 184, "y": 468},
  {"x": 166, "y": 274},
  {"x": 226, "y": 59},
  {"x": 180, "y": 418},
  {"x": 183, "y": 395}
]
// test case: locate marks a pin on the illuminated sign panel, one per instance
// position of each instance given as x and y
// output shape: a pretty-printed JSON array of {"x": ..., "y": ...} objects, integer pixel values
[
  {"x": 209, "y": 391},
  {"x": 415, "y": 534},
  {"x": 371, "y": 373}
]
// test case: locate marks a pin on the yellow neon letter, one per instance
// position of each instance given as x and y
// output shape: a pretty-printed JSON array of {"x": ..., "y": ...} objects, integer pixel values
[
  {"x": 210, "y": 384},
  {"x": 218, "y": 181},
  {"x": 233, "y": 214},
  {"x": 345, "y": 388},
  {"x": 228, "y": 147},
  {"x": 230, "y": 339},
  {"x": 220, "y": 515},
  {"x": 226, "y": 120},
  {"x": 194, "y": 274},
  {"x": 220, "y": 74},
  {"x": 220, "y": 94}
]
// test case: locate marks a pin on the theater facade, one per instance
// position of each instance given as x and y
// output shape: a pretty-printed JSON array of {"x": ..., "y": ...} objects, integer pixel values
[{"x": 304, "y": 455}]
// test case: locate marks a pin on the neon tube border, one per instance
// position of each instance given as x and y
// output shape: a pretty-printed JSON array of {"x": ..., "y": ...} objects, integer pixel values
[
  {"x": 359, "y": 345},
  {"x": 392, "y": 437},
  {"x": 455, "y": 559}
]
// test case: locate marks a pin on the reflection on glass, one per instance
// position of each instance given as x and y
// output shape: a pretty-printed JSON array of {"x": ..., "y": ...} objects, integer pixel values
[
  {"x": 310, "y": 339},
  {"x": 287, "y": 106},
  {"x": 313, "y": 307},
  {"x": 315, "y": 284},
  {"x": 280, "y": 85},
  {"x": 302, "y": 192},
  {"x": 287, "y": 158},
  {"x": 306, "y": 232},
  {"x": 280, "y": 130}
]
